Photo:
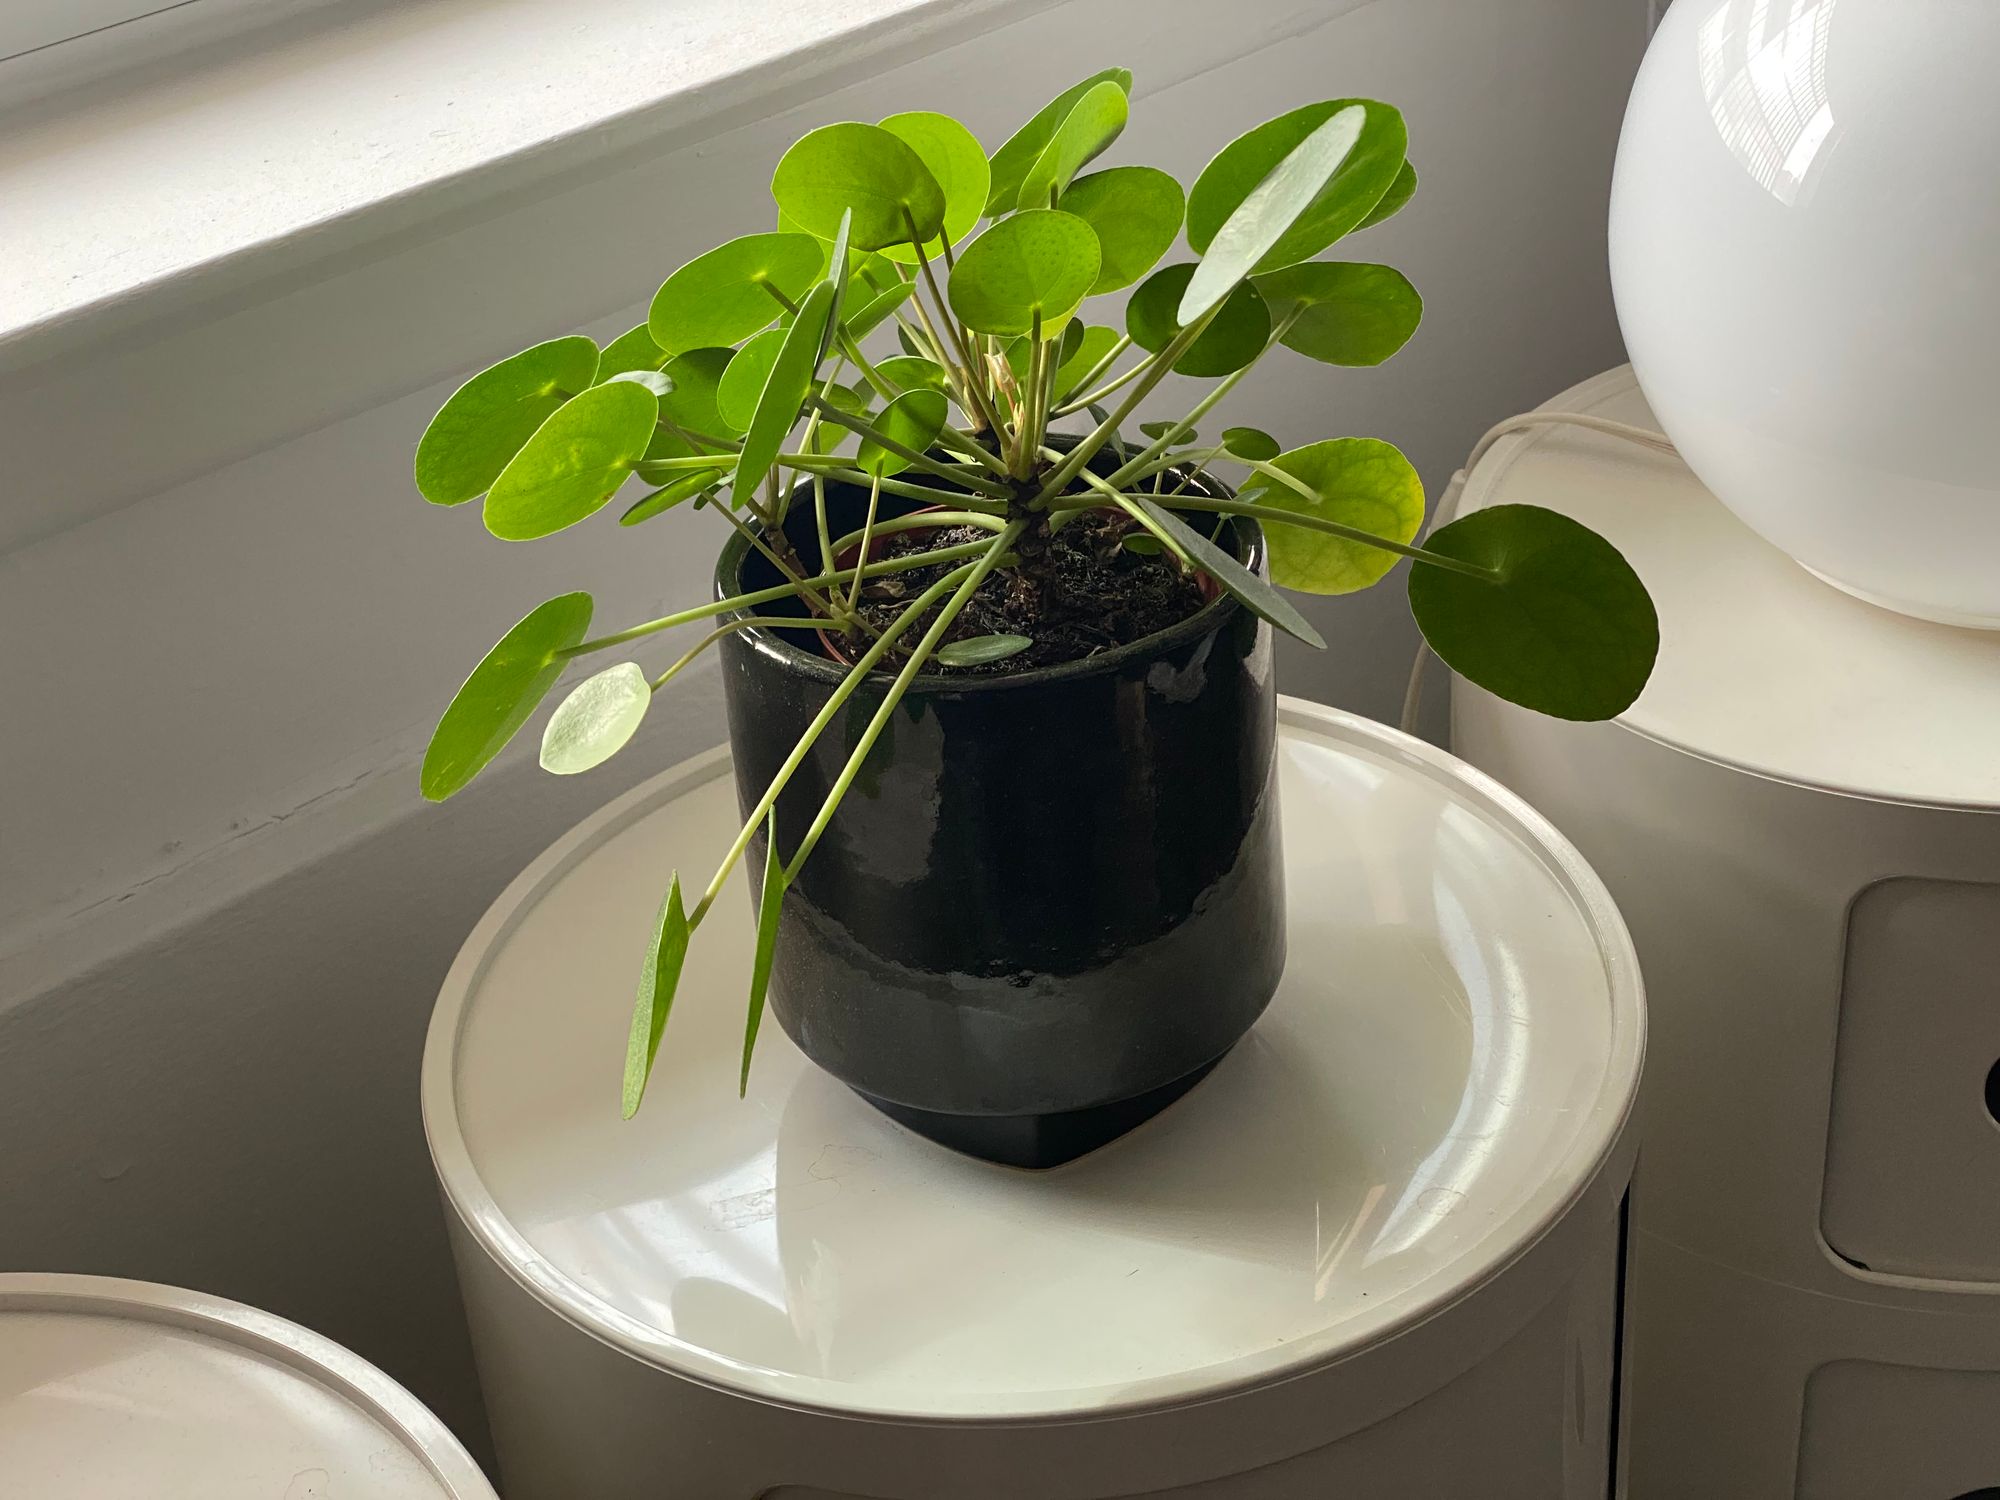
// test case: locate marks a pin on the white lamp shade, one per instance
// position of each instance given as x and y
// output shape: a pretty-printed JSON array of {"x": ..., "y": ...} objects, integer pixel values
[{"x": 1805, "y": 252}]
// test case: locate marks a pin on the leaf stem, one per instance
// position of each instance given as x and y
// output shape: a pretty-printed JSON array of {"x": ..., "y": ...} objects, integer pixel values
[
  {"x": 1277, "y": 516},
  {"x": 956, "y": 473},
  {"x": 787, "y": 622}
]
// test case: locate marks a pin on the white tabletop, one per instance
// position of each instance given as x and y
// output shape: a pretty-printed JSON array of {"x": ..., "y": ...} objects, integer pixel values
[
  {"x": 119, "y": 1390},
  {"x": 1762, "y": 666},
  {"x": 1451, "y": 1056}
]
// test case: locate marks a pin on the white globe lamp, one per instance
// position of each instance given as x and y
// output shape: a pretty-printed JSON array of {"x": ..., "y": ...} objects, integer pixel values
[{"x": 1805, "y": 252}]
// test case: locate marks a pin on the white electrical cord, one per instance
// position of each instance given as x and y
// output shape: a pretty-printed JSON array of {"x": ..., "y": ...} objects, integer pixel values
[{"x": 1447, "y": 506}]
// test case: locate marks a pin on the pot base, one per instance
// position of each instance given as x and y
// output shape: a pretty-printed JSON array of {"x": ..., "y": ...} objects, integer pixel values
[{"x": 1040, "y": 1141}]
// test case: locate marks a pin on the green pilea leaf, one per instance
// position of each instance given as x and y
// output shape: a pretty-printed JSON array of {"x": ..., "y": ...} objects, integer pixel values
[
  {"x": 1254, "y": 593},
  {"x": 1020, "y": 352},
  {"x": 490, "y": 417},
  {"x": 1143, "y": 544},
  {"x": 1135, "y": 211},
  {"x": 1364, "y": 176},
  {"x": 1566, "y": 629},
  {"x": 866, "y": 318},
  {"x": 742, "y": 383},
  {"x": 1036, "y": 263},
  {"x": 958, "y": 162},
  {"x": 664, "y": 499},
  {"x": 863, "y": 168},
  {"x": 725, "y": 296},
  {"x": 769, "y": 901},
  {"x": 1348, "y": 313},
  {"x": 633, "y": 349},
  {"x": 1158, "y": 430},
  {"x": 1235, "y": 337},
  {"x": 502, "y": 691},
  {"x": 574, "y": 463},
  {"x": 1249, "y": 443},
  {"x": 912, "y": 419},
  {"x": 593, "y": 723},
  {"x": 652, "y": 380},
  {"x": 1401, "y": 191},
  {"x": 912, "y": 372},
  {"x": 1093, "y": 123},
  {"x": 1092, "y": 345},
  {"x": 1360, "y": 482},
  {"x": 784, "y": 390},
  {"x": 1011, "y": 163},
  {"x": 977, "y": 650},
  {"x": 830, "y": 437},
  {"x": 658, "y": 978},
  {"x": 836, "y": 278},
  {"x": 697, "y": 377},
  {"x": 1272, "y": 208}
]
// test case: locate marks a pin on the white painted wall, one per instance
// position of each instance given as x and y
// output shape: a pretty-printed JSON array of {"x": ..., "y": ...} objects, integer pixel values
[{"x": 223, "y": 910}]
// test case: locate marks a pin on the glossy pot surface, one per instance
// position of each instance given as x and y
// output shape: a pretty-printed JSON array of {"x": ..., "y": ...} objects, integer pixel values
[{"x": 1051, "y": 901}]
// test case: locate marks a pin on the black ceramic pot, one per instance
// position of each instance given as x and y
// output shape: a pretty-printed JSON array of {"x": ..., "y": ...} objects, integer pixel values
[{"x": 1051, "y": 902}]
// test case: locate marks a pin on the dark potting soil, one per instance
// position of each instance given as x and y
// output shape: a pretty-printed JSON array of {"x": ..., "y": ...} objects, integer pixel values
[{"x": 1079, "y": 592}]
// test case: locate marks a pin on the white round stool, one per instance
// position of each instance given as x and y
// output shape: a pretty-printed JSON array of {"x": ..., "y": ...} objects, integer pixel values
[
  {"x": 1800, "y": 817},
  {"x": 1378, "y": 1246},
  {"x": 121, "y": 1390}
]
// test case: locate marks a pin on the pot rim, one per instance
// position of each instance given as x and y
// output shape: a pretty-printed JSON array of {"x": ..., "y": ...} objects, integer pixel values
[{"x": 768, "y": 641}]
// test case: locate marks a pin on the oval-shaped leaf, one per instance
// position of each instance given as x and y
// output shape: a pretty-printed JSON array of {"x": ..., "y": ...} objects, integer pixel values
[
  {"x": 770, "y": 899},
  {"x": 502, "y": 691},
  {"x": 1348, "y": 313},
  {"x": 697, "y": 377},
  {"x": 1254, "y": 593},
  {"x": 742, "y": 383},
  {"x": 1135, "y": 212},
  {"x": 912, "y": 419},
  {"x": 1250, "y": 442},
  {"x": 784, "y": 390},
  {"x": 1360, "y": 482},
  {"x": 912, "y": 372},
  {"x": 1235, "y": 337},
  {"x": 1011, "y": 162},
  {"x": 1092, "y": 345},
  {"x": 725, "y": 296},
  {"x": 865, "y": 316},
  {"x": 829, "y": 438},
  {"x": 490, "y": 417},
  {"x": 1159, "y": 429},
  {"x": 1401, "y": 191},
  {"x": 1566, "y": 629},
  {"x": 633, "y": 349},
  {"x": 958, "y": 162},
  {"x": 978, "y": 650},
  {"x": 1342, "y": 202},
  {"x": 665, "y": 498},
  {"x": 659, "y": 977},
  {"x": 574, "y": 463},
  {"x": 593, "y": 723},
  {"x": 1093, "y": 123},
  {"x": 1271, "y": 209},
  {"x": 866, "y": 169},
  {"x": 1037, "y": 263}
]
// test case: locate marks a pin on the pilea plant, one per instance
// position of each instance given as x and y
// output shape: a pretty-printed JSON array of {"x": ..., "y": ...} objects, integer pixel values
[{"x": 750, "y": 387}]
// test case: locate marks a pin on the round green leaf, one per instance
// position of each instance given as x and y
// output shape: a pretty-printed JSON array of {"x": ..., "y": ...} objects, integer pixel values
[
  {"x": 1349, "y": 313},
  {"x": 1342, "y": 202},
  {"x": 1158, "y": 430},
  {"x": 697, "y": 377},
  {"x": 912, "y": 372},
  {"x": 784, "y": 390},
  {"x": 1249, "y": 442},
  {"x": 593, "y": 723},
  {"x": 1401, "y": 191},
  {"x": 501, "y": 692},
  {"x": 633, "y": 349},
  {"x": 725, "y": 296},
  {"x": 1040, "y": 262},
  {"x": 574, "y": 463},
  {"x": 912, "y": 419},
  {"x": 958, "y": 162},
  {"x": 1092, "y": 344},
  {"x": 1012, "y": 161},
  {"x": 742, "y": 384},
  {"x": 1135, "y": 211},
  {"x": 1235, "y": 337},
  {"x": 865, "y": 316},
  {"x": 978, "y": 650},
  {"x": 665, "y": 498},
  {"x": 487, "y": 419},
  {"x": 1094, "y": 121},
  {"x": 864, "y": 168},
  {"x": 1567, "y": 629},
  {"x": 1360, "y": 482}
]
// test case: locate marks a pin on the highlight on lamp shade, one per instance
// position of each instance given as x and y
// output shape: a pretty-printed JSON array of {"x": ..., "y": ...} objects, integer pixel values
[{"x": 1805, "y": 253}]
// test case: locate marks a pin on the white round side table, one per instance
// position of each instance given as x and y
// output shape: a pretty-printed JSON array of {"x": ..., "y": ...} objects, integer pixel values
[
  {"x": 1378, "y": 1246},
  {"x": 1800, "y": 818},
  {"x": 122, "y": 1390}
]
